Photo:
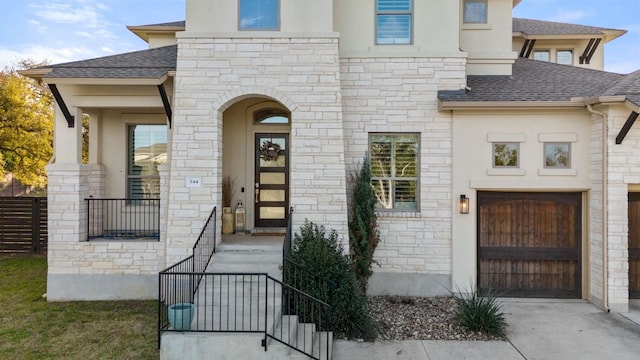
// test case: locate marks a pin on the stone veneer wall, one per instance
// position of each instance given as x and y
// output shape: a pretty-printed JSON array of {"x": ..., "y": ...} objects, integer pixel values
[
  {"x": 213, "y": 73},
  {"x": 623, "y": 170},
  {"x": 95, "y": 270},
  {"x": 399, "y": 95},
  {"x": 596, "y": 223}
]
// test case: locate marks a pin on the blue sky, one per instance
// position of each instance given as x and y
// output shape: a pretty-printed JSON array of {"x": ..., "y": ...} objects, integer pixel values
[{"x": 66, "y": 30}]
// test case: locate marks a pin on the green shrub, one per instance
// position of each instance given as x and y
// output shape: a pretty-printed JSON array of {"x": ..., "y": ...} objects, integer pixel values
[
  {"x": 363, "y": 232},
  {"x": 481, "y": 313},
  {"x": 322, "y": 256}
]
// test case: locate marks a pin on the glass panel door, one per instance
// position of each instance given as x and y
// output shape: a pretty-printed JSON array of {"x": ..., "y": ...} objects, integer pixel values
[{"x": 271, "y": 193}]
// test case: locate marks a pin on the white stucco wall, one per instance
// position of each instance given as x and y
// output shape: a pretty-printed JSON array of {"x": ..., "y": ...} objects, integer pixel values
[
  {"x": 489, "y": 45},
  {"x": 296, "y": 17}
]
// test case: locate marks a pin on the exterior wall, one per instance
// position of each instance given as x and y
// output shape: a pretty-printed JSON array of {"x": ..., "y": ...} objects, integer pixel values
[
  {"x": 160, "y": 41},
  {"x": 489, "y": 45},
  {"x": 296, "y": 16},
  {"x": 597, "y": 214},
  {"x": 303, "y": 75},
  {"x": 577, "y": 45},
  {"x": 434, "y": 32},
  {"x": 473, "y": 135},
  {"x": 399, "y": 95},
  {"x": 623, "y": 172}
]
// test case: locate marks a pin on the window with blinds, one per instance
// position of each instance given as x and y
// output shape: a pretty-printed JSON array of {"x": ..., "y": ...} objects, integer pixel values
[
  {"x": 394, "y": 20},
  {"x": 259, "y": 14},
  {"x": 147, "y": 150},
  {"x": 394, "y": 170}
]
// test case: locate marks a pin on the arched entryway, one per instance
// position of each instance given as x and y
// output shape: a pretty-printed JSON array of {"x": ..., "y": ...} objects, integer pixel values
[{"x": 256, "y": 160}]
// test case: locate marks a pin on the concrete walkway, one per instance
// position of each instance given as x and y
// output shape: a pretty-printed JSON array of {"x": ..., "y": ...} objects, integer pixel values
[{"x": 541, "y": 329}]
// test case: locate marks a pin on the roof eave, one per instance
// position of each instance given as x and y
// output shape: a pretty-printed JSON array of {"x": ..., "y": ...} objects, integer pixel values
[
  {"x": 143, "y": 32},
  {"x": 35, "y": 73},
  {"x": 485, "y": 105},
  {"x": 106, "y": 81}
]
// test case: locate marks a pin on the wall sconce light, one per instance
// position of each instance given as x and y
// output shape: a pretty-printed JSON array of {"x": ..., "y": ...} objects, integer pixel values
[{"x": 463, "y": 206}]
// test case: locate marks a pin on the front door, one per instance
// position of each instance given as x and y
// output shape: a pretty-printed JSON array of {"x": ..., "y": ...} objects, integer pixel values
[{"x": 271, "y": 193}]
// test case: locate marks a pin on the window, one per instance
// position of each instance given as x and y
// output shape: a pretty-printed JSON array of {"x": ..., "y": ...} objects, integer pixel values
[
  {"x": 394, "y": 170},
  {"x": 564, "y": 57},
  {"x": 394, "y": 22},
  {"x": 542, "y": 55},
  {"x": 506, "y": 155},
  {"x": 475, "y": 11},
  {"x": 271, "y": 116},
  {"x": 557, "y": 155},
  {"x": 259, "y": 14},
  {"x": 147, "y": 150}
]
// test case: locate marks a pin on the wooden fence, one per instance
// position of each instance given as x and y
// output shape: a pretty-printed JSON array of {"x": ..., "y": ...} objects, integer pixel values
[{"x": 23, "y": 225}]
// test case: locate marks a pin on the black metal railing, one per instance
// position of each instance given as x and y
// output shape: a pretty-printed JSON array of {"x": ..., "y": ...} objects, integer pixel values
[
  {"x": 244, "y": 303},
  {"x": 193, "y": 300},
  {"x": 205, "y": 246},
  {"x": 122, "y": 219}
]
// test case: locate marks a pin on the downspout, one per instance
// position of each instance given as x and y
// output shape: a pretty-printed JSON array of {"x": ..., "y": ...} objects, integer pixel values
[{"x": 605, "y": 219}]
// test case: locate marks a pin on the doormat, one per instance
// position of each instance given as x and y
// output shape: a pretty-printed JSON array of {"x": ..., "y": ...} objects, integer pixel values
[{"x": 267, "y": 234}]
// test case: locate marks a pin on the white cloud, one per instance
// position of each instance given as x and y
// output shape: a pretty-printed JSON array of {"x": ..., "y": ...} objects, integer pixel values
[
  {"x": 51, "y": 55},
  {"x": 67, "y": 14}
]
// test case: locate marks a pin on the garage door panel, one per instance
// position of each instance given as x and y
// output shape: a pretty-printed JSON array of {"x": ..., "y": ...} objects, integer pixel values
[
  {"x": 634, "y": 245},
  {"x": 529, "y": 244},
  {"x": 531, "y": 278}
]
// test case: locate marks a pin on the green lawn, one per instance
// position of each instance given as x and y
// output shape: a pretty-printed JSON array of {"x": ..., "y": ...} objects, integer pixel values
[{"x": 32, "y": 328}]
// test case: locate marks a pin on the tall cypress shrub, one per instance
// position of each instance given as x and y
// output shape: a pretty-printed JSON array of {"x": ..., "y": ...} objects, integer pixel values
[{"x": 363, "y": 226}]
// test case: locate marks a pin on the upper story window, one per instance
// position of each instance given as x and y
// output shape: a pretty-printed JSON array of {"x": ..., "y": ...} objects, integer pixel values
[
  {"x": 259, "y": 14},
  {"x": 147, "y": 150},
  {"x": 394, "y": 20},
  {"x": 542, "y": 55},
  {"x": 475, "y": 11},
  {"x": 564, "y": 57}
]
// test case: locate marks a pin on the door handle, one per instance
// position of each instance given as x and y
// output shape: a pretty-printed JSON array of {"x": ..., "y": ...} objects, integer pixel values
[{"x": 257, "y": 191}]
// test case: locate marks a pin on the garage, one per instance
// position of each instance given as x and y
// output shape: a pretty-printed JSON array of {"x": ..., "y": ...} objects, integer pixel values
[
  {"x": 634, "y": 245},
  {"x": 530, "y": 244}
]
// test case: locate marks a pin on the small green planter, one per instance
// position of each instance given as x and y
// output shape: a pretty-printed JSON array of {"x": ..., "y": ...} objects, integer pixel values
[{"x": 180, "y": 316}]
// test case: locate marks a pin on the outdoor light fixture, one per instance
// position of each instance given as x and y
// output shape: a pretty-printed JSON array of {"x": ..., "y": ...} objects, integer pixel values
[{"x": 463, "y": 206}]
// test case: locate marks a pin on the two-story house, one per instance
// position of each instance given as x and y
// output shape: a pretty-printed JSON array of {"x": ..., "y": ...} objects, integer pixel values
[{"x": 490, "y": 167}]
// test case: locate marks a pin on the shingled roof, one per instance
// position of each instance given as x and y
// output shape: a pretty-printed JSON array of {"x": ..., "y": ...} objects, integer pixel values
[
  {"x": 542, "y": 81},
  {"x": 540, "y": 27},
  {"x": 144, "y": 64}
]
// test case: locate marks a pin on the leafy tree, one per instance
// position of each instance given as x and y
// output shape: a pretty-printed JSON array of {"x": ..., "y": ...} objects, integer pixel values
[{"x": 26, "y": 127}]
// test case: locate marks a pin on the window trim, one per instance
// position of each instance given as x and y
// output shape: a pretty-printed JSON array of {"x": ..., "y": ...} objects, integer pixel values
[
  {"x": 486, "y": 12},
  {"x": 394, "y": 209},
  {"x": 278, "y": 24},
  {"x": 409, "y": 12}
]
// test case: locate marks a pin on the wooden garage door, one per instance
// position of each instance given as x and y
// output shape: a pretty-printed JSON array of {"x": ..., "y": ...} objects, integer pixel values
[
  {"x": 529, "y": 244},
  {"x": 634, "y": 245}
]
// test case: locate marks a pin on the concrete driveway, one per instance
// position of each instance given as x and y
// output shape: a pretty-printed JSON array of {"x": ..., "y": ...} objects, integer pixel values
[{"x": 542, "y": 329}]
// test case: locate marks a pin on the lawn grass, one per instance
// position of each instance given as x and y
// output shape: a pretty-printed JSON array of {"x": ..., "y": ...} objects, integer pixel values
[{"x": 32, "y": 328}]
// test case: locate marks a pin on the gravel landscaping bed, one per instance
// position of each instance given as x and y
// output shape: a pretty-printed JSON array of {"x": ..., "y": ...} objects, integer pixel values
[{"x": 418, "y": 318}]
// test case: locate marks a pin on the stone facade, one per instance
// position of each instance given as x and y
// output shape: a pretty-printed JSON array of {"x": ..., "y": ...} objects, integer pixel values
[
  {"x": 303, "y": 75},
  {"x": 392, "y": 95}
]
